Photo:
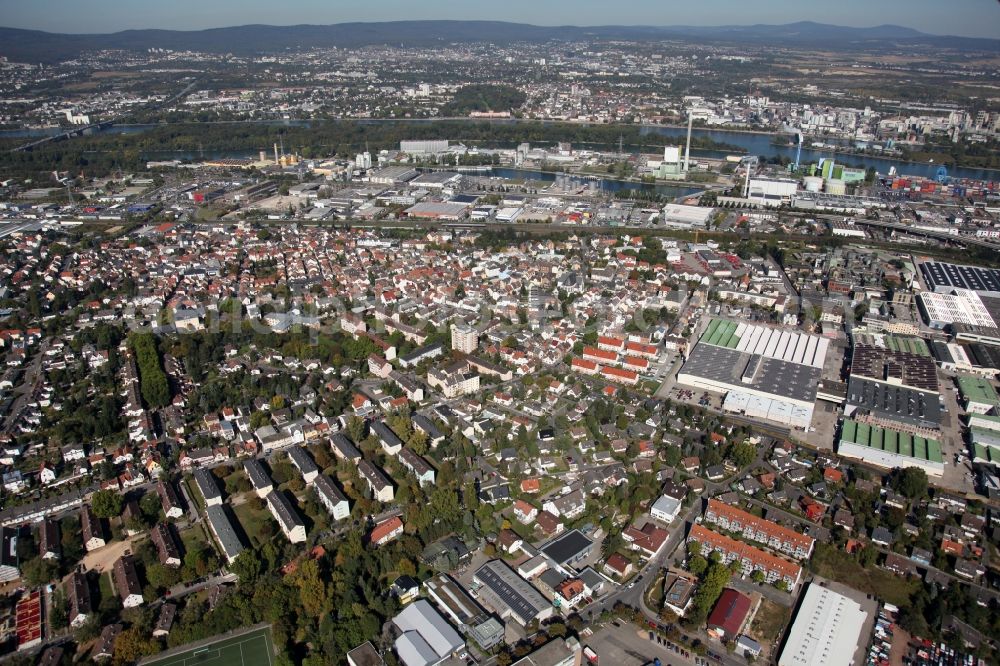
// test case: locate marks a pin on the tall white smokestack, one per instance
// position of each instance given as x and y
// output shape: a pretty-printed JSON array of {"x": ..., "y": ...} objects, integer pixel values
[
  {"x": 687, "y": 151},
  {"x": 275, "y": 152}
]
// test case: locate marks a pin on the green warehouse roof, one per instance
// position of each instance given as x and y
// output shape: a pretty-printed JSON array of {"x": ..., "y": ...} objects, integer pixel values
[
  {"x": 891, "y": 441},
  {"x": 977, "y": 389}
]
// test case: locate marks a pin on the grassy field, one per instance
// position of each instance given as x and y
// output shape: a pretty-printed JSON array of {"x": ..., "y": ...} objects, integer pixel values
[
  {"x": 253, "y": 648},
  {"x": 252, "y": 521},
  {"x": 829, "y": 562}
]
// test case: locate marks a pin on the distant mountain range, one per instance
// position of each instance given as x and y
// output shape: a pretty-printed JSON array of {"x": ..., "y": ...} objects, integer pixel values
[{"x": 37, "y": 46}]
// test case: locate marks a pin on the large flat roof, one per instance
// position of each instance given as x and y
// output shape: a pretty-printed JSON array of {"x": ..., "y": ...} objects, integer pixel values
[
  {"x": 509, "y": 589},
  {"x": 826, "y": 631},
  {"x": 891, "y": 441},
  {"x": 567, "y": 546},
  {"x": 771, "y": 376},
  {"x": 898, "y": 403},
  {"x": 942, "y": 275}
]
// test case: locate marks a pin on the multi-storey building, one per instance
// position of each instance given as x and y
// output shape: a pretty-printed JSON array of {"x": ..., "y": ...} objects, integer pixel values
[
  {"x": 757, "y": 529},
  {"x": 751, "y": 559}
]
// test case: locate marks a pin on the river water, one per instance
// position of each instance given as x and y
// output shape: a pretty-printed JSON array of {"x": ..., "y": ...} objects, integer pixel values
[{"x": 753, "y": 144}]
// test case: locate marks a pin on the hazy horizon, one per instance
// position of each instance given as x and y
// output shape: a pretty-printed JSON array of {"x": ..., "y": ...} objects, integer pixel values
[{"x": 964, "y": 18}]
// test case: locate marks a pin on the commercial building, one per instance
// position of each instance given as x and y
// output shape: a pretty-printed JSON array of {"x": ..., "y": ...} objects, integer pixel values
[
  {"x": 224, "y": 532},
  {"x": 890, "y": 448},
  {"x": 757, "y": 529},
  {"x": 678, "y": 592},
  {"x": 943, "y": 277},
  {"x": 665, "y": 508},
  {"x": 423, "y": 146},
  {"x": 568, "y": 549},
  {"x": 751, "y": 559},
  {"x": 437, "y": 210},
  {"x": 426, "y": 638},
  {"x": 679, "y": 216},
  {"x": 765, "y": 373},
  {"x": 957, "y": 306},
  {"x": 772, "y": 191},
  {"x": 464, "y": 612},
  {"x": 287, "y": 516},
  {"x": 730, "y": 613},
  {"x": 978, "y": 395},
  {"x": 826, "y": 630},
  {"x": 557, "y": 652},
  {"x": 894, "y": 382},
  {"x": 510, "y": 596}
]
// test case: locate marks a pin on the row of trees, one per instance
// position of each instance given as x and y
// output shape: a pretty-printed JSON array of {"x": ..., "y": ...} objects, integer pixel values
[{"x": 152, "y": 379}]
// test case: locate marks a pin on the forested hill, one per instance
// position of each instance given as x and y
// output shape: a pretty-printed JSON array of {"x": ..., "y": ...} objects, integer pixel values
[{"x": 37, "y": 46}]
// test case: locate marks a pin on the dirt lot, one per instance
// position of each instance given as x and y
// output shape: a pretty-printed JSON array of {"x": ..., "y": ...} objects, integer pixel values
[{"x": 103, "y": 559}]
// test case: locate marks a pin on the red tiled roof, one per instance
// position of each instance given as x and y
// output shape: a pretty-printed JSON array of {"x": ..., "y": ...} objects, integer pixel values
[
  {"x": 730, "y": 612},
  {"x": 765, "y": 560},
  {"x": 385, "y": 528}
]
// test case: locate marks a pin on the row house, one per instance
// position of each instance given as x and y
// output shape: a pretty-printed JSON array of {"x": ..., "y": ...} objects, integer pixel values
[
  {"x": 751, "y": 559},
  {"x": 753, "y": 528}
]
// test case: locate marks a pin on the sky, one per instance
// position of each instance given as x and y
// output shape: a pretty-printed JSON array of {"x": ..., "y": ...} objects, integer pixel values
[{"x": 971, "y": 18}]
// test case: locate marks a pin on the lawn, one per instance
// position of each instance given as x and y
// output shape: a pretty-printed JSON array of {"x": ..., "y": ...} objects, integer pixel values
[
  {"x": 106, "y": 586},
  {"x": 194, "y": 536},
  {"x": 252, "y": 648},
  {"x": 252, "y": 521},
  {"x": 834, "y": 564}
]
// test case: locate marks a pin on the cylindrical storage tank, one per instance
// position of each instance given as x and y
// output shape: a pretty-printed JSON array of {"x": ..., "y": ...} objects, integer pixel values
[
  {"x": 834, "y": 186},
  {"x": 813, "y": 183}
]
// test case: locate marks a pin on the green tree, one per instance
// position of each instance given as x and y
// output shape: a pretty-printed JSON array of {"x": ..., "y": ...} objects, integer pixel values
[
  {"x": 912, "y": 482},
  {"x": 131, "y": 645},
  {"x": 743, "y": 454},
  {"x": 37, "y": 572},
  {"x": 246, "y": 566},
  {"x": 107, "y": 503}
]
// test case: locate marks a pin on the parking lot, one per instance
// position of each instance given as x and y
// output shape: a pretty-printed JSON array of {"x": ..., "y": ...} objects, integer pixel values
[{"x": 627, "y": 646}]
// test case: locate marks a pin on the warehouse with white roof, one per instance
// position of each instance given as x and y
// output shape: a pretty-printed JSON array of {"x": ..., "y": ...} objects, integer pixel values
[
  {"x": 425, "y": 637},
  {"x": 826, "y": 631},
  {"x": 765, "y": 373}
]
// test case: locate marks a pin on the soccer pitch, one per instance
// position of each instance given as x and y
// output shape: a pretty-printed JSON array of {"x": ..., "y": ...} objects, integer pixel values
[{"x": 253, "y": 648}]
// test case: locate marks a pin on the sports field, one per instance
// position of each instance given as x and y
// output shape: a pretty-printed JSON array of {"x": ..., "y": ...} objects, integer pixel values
[{"x": 253, "y": 648}]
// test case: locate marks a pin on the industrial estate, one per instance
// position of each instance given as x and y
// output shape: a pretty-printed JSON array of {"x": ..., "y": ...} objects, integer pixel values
[{"x": 666, "y": 348}]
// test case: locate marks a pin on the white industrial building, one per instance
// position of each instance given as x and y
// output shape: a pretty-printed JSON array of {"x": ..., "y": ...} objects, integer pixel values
[
  {"x": 765, "y": 373},
  {"x": 772, "y": 191},
  {"x": 426, "y": 638},
  {"x": 826, "y": 631},
  {"x": 679, "y": 216},
  {"x": 665, "y": 509},
  {"x": 423, "y": 147},
  {"x": 891, "y": 449},
  {"x": 961, "y": 306}
]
